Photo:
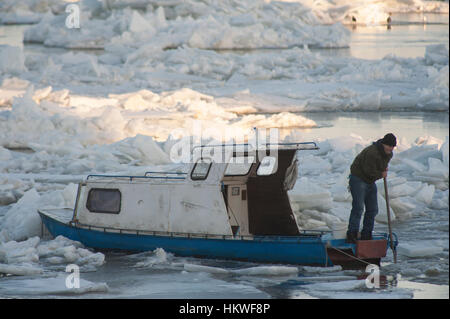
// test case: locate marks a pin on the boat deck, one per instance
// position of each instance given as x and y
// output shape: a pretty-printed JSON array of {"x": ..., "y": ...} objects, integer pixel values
[{"x": 64, "y": 216}]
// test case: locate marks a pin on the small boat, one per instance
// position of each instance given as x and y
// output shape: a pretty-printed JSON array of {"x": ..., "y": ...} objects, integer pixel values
[{"x": 233, "y": 208}]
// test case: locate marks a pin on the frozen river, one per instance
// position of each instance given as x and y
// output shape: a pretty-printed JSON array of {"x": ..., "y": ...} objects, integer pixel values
[{"x": 340, "y": 97}]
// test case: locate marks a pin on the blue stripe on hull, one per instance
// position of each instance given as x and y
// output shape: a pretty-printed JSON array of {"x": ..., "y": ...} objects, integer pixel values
[{"x": 304, "y": 251}]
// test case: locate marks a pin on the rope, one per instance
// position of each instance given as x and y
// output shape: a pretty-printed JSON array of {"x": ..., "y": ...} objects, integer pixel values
[{"x": 351, "y": 256}]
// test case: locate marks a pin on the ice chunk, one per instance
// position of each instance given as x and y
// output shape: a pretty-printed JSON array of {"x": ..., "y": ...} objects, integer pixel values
[
  {"x": 69, "y": 194},
  {"x": 312, "y": 224},
  {"x": 382, "y": 217},
  {"x": 7, "y": 197},
  {"x": 19, "y": 252},
  {"x": 52, "y": 286},
  {"x": 337, "y": 286},
  {"x": 56, "y": 260},
  {"x": 139, "y": 148},
  {"x": 281, "y": 120},
  {"x": 22, "y": 270},
  {"x": 208, "y": 269},
  {"x": 336, "y": 225},
  {"x": 308, "y": 195},
  {"x": 139, "y": 24},
  {"x": 346, "y": 143},
  {"x": 403, "y": 207},
  {"x": 90, "y": 259},
  {"x": 437, "y": 168},
  {"x": 414, "y": 165},
  {"x": 331, "y": 220},
  {"x": 341, "y": 210},
  {"x": 418, "y": 249},
  {"x": 401, "y": 190},
  {"x": 159, "y": 256},
  {"x": 12, "y": 60},
  {"x": 267, "y": 271},
  {"x": 324, "y": 147},
  {"x": 425, "y": 194},
  {"x": 22, "y": 220},
  {"x": 5, "y": 154},
  {"x": 440, "y": 200},
  {"x": 340, "y": 193},
  {"x": 428, "y": 141},
  {"x": 321, "y": 269},
  {"x": 12, "y": 188},
  {"x": 313, "y": 165},
  {"x": 437, "y": 53},
  {"x": 63, "y": 250}
]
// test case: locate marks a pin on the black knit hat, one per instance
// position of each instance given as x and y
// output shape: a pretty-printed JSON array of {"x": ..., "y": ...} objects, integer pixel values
[{"x": 389, "y": 139}]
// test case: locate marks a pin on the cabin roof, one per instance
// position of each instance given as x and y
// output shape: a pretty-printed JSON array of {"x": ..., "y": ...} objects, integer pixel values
[{"x": 218, "y": 168}]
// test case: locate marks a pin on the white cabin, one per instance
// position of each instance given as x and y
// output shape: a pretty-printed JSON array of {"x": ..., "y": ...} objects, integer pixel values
[{"x": 245, "y": 195}]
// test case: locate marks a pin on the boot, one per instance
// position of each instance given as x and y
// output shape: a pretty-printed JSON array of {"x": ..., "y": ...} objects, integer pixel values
[
  {"x": 366, "y": 236},
  {"x": 352, "y": 237}
]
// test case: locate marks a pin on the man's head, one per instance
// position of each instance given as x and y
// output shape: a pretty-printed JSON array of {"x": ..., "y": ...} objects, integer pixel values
[{"x": 389, "y": 141}]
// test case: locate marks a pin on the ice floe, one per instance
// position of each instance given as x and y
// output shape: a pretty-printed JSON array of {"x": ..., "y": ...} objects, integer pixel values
[
  {"x": 31, "y": 256},
  {"x": 419, "y": 249},
  {"x": 158, "y": 256},
  {"x": 267, "y": 271},
  {"x": 50, "y": 286},
  {"x": 246, "y": 14},
  {"x": 177, "y": 45},
  {"x": 203, "y": 25},
  {"x": 202, "y": 268},
  {"x": 12, "y": 59}
]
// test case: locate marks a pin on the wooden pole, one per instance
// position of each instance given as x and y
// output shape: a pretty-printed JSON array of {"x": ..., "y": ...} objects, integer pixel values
[{"x": 388, "y": 211}]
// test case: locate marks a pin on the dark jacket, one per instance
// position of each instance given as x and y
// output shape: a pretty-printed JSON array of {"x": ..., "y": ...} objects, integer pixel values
[{"x": 370, "y": 163}]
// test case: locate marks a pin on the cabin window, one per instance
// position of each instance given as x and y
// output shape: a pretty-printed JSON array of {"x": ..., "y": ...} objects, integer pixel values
[
  {"x": 268, "y": 166},
  {"x": 201, "y": 169},
  {"x": 239, "y": 165},
  {"x": 104, "y": 200}
]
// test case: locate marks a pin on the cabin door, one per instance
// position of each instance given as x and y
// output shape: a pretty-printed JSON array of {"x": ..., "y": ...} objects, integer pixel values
[{"x": 238, "y": 208}]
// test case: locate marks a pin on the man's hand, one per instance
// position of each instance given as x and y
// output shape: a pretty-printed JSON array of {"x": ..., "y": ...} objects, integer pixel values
[{"x": 384, "y": 174}]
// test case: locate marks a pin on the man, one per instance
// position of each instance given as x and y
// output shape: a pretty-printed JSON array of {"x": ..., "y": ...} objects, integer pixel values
[{"x": 370, "y": 165}]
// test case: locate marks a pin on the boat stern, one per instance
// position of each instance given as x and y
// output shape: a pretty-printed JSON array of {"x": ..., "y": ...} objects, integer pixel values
[{"x": 360, "y": 254}]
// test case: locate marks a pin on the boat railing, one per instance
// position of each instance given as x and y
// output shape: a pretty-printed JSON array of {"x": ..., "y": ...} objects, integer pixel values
[
  {"x": 166, "y": 173},
  {"x": 311, "y": 234},
  {"x": 136, "y": 177},
  {"x": 296, "y": 145},
  {"x": 264, "y": 146}
]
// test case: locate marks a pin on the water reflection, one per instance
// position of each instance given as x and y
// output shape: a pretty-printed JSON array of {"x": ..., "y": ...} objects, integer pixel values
[
  {"x": 373, "y": 125},
  {"x": 404, "y": 34}
]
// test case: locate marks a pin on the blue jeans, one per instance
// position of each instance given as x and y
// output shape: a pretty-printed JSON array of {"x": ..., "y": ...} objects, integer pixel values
[{"x": 363, "y": 194}]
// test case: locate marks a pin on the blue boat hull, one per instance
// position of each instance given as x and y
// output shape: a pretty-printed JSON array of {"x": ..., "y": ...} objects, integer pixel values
[
  {"x": 312, "y": 250},
  {"x": 270, "y": 249}
]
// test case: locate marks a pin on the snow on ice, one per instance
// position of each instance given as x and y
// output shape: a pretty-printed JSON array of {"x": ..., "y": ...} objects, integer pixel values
[{"x": 175, "y": 46}]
